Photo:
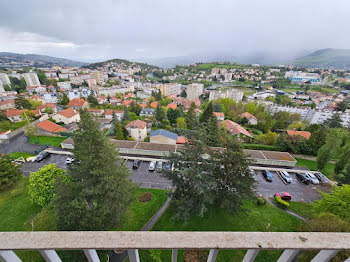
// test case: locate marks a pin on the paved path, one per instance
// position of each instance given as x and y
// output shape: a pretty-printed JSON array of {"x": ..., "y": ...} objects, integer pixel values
[
  {"x": 113, "y": 257},
  {"x": 286, "y": 210}
]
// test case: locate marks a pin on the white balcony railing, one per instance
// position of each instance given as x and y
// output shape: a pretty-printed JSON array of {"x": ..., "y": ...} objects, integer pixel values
[{"x": 328, "y": 244}]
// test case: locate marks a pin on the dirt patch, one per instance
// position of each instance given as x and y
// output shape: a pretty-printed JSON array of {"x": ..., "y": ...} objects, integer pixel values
[
  {"x": 145, "y": 197},
  {"x": 195, "y": 256}
]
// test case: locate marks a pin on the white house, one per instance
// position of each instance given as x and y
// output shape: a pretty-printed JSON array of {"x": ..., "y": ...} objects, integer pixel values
[
  {"x": 137, "y": 129},
  {"x": 67, "y": 116}
]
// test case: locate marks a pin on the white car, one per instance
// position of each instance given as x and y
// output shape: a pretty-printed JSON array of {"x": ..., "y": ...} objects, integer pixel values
[
  {"x": 69, "y": 160},
  {"x": 152, "y": 166},
  {"x": 313, "y": 178},
  {"x": 286, "y": 176}
]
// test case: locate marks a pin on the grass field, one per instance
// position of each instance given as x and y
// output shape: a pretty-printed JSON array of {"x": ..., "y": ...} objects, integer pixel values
[
  {"x": 47, "y": 140},
  {"x": 312, "y": 165},
  {"x": 256, "y": 218},
  {"x": 17, "y": 213},
  {"x": 8, "y": 125},
  {"x": 16, "y": 155},
  {"x": 301, "y": 208}
]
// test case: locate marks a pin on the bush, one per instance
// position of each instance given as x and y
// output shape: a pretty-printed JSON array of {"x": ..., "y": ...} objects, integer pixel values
[
  {"x": 281, "y": 202},
  {"x": 261, "y": 201},
  {"x": 145, "y": 197}
]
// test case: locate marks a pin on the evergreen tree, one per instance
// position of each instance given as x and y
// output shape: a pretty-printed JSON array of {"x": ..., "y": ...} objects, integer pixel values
[
  {"x": 135, "y": 108},
  {"x": 208, "y": 112},
  {"x": 9, "y": 172},
  {"x": 111, "y": 130},
  {"x": 159, "y": 114},
  {"x": 210, "y": 132},
  {"x": 172, "y": 115},
  {"x": 92, "y": 100},
  {"x": 64, "y": 100},
  {"x": 100, "y": 190},
  {"x": 191, "y": 118},
  {"x": 183, "y": 93},
  {"x": 119, "y": 134},
  {"x": 334, "y": 122},
  {"x": 21, "y": 102}
]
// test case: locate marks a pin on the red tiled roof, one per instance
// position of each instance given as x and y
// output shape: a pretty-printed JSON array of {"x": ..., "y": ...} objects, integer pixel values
[
  {"x": 181, "y": 140},
  {"x": 127, "y": 102},
  {"x": 137, "y": 123},
  {"x": 171, "y": 105},
  {"x": 8, "y": 101},
  {"x": 304, "y": 134},
  {"x": 69, "y": 112},
  {"x": 219, "y": 114},
  {"x": 13, "y": 112},
  {"x": 50, "y": 127},
  {"x": 50, "y": 105},
  {"x": 110, "y": 112},
  {"x": 235, "y": 128},
  {"x": 154, "y": 104},
  {"x": 247, "y": 115},
  {"x": 143, "y": 105},
  {"x": 77, "y": 102}
]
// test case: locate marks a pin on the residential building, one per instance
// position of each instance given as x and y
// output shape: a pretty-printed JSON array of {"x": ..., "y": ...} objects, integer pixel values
[
  {"x": 67, "y": 116},
  {"x": 305, "y": 134},
  {"x": 47, "y": 127},
  {"x": 96, "y": 112},
  {"x": 219, "y": 115},
  {"x": 162, "y": 136},
  {"x": 194, "y": 91},
  {"x": 14, "y": 115},
  {"x": 262, "y": 95},
  {"x": 170, "y": 89},
  {"x": 78, "y": 103},
  {"x": 4, "y": 79},
  {"x": 302, "y": 77},
  {"x": 49, "y": 106},
  {"x": 137, "y": 129},
  {"x": 147, "y": 112},
  {"x": 172, "y": 106},
  {"x": 235, "y": 129},
  {"x": 235, "y": 94},
  {"x": 7, "y": 104},
  {"x": 31, "y": 79},
  {"x": 252, "y": 120},
  {"x": 109, "y": 114}
]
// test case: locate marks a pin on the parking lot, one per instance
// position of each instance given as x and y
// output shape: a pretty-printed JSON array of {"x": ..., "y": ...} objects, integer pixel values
[
  {"x": 299, "y": 191},
  {"x": 147, "y": 179}
]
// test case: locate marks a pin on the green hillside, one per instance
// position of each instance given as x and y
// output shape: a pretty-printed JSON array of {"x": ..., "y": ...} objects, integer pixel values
[{"x": 336, "y": 58}]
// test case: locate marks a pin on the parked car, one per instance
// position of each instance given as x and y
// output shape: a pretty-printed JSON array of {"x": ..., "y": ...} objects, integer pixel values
[
  {"x": 267, "y": 175},
  {"x": 303, "y": 178},
  {"x": 321, "y": 177},
  {"x": 167, "y": 166},
  {"x": 69, "y": 160},
  {"x": 313, "y": 178},
  {"x": 42, "y": 156},
  {"x": 136, "y": 164},
  {"x": 152, "y": 166},
  {"x": 284, "y": 195},
  {"x": 251, "y": 171},
  {"x": 286, "y": 176},
  {"x": 159, "y": 167}
]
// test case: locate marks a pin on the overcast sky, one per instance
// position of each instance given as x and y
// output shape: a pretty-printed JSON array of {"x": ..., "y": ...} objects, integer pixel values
[{"x": 96, "y": 30}]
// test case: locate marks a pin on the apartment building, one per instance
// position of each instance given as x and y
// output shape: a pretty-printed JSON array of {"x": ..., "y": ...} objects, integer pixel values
[
  {"x": 234, "y": 94},
  {"x": 302, "y": 77},
  {"x": 194, "y": 91},
  {"x": 31, "y": 79},
  {"x": 4, "y": 79},
  {"x": 170, "y": 89}
]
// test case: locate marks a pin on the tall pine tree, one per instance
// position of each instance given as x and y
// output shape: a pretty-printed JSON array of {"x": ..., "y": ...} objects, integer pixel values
[
  {"x": 208, "y": 112},
  {"x": 100, "y": 189}
]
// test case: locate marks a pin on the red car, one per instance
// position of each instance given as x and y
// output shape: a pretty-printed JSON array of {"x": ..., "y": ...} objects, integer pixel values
[{"x": 284, "y": 195}]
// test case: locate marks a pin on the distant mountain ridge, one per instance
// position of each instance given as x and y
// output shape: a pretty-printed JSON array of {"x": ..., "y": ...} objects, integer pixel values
[
  {"x": 326, "y": 58},
  {"x": 122, "y": 61},
  {"x": 13, "y": 59}
]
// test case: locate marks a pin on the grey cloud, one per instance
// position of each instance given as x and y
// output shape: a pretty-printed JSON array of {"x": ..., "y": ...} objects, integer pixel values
[{"x": 103, "y": 29}]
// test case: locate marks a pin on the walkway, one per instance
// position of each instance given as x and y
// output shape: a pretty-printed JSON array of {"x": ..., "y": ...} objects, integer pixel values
[{"x": 113, "y": 257}]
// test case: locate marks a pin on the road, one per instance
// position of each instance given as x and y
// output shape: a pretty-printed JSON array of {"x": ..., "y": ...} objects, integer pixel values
[{"x": 18, "y": 143}]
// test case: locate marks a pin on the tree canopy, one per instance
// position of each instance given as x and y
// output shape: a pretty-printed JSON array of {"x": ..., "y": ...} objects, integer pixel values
[{"x": 9, "y": 172}]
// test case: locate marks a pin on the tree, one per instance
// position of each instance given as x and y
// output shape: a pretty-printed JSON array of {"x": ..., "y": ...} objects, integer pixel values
[
  {"x": 183, "y": 93},
  {"x": 157, "y": 95},
  {"x": 337, "y": 202},
  {"x": 205, "y": 178},
  {"x": 208, "y": 112},
  {"x": 342, "y": 106},
  {"x": 159, "y": 114},
  {"x": 217, "y": 107},
  {"x": 172, "y": 115},
  {"x": 317, "y": 140},
  {"x": 181, "y": 123},
  {"x": 135, "y": 108},
  {"x": 191, "y": 118},
  {"x": 92, "y": 100},
  {"x": 100, "y": 190},
  {"x": 251, "y": 108},
  {"x": 119, "y": 134},
  {"x": 313, "y": 105},
  {"x": 64, "y": 100},
  {"x": 21, "y": 102},
  {"x": 297, "y": 125},
  {"x": 210, "y": 132},
  {"x": 334, "y": 122},
  {"x": 41, "y": 184},
  {"x": 270, "y": 138},
  {"x": 9, "y": 172},
  {"x": 32, "y": 130}
]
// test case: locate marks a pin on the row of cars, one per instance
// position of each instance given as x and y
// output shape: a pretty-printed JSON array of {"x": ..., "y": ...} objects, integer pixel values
[
  {"x": 153, "y": 165},
  {"x": 305, "y": 178}
]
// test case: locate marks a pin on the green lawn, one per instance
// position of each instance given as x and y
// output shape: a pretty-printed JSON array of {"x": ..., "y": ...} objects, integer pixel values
[
  {"x": 8, "y": 125},
  {"x": 16, "y": 155},
  {"x": 47, "y": 140},
  {"x": 17, "y": 213},
  {"x": 312, "y": 165},
  {"x": 256, "y": 218},
  {"x": 302, "y": 208}
]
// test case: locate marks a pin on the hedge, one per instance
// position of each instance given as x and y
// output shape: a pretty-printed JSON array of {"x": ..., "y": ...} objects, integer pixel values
[{"x": 281, "y": 202}]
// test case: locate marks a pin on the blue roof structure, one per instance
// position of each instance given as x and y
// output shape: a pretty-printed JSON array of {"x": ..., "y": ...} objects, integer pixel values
[{"x": 165, "y": 133}]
